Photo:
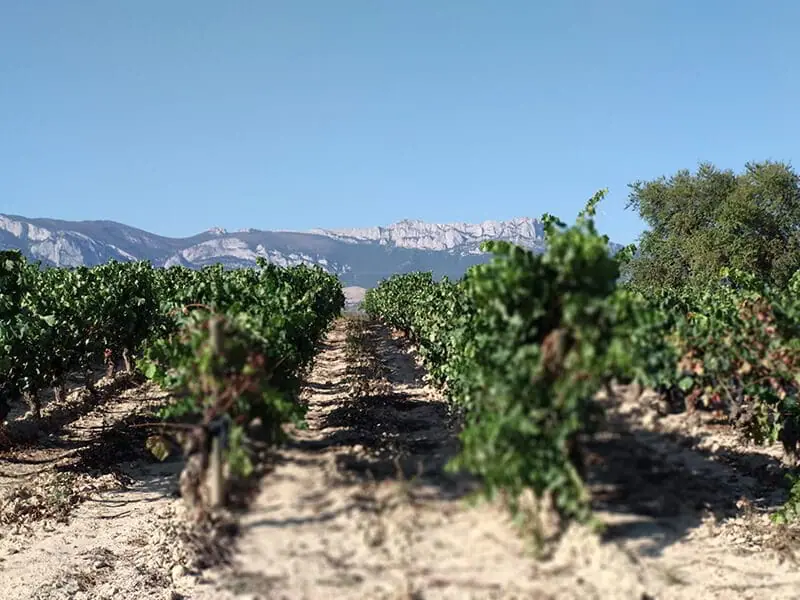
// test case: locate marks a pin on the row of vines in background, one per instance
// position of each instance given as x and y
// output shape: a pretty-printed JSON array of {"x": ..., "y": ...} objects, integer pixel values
[
  {"x": 56, "y": 322},
  {"x": 523, "y": 344},
  {"x": 229, "y": 344},
  {"x": 738, "y": 352}
]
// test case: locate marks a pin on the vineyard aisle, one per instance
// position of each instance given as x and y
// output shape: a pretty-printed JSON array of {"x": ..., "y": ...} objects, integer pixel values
[
  {"x": 322, "y": 527},
  {"x": 360, "y": 507}
]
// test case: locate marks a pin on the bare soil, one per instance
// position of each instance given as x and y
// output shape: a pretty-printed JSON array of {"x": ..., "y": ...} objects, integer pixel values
[
  {"x": 359, "y": 505},
  {"x": 85, "y": 510}
]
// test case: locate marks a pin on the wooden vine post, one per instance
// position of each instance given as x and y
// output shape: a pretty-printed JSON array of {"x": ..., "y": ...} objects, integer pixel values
[{"x": 216, "y": 481}]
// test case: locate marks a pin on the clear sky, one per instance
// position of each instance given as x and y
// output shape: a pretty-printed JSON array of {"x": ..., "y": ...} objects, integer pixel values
[{"x": 180, "y": 115}]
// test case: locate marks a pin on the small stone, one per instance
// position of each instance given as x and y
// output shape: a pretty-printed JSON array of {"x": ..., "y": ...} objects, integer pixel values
[
  {"x": 177, "y": 572},
  {"x": 108, "y": 590}
]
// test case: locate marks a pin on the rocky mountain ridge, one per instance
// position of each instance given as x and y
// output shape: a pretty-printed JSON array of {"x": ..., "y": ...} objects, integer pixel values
[
  {"x": 359, "y": 257},
  {"x": 449, "y": 236}
]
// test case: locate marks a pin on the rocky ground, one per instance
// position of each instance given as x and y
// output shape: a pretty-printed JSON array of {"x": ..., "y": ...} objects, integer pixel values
[{"x": 359, "y": 507}]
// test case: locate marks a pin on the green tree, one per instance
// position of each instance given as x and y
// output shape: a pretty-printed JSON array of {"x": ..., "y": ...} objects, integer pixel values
[{"x": 702, "y": 222}]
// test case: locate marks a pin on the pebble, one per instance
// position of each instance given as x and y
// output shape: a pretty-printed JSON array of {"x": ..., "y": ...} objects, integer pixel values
[
  {"x": 177, "y": 572},
  {"x": 108, "y": 590}
]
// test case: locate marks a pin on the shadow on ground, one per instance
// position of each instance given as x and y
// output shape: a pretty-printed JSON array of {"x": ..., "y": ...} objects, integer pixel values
[
  {"x": 665, "y": 486},
  {"x": 25, "y": 433}
]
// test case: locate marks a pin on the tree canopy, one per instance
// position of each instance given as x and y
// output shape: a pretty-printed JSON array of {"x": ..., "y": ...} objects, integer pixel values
[{"x": 704, "y": 221}]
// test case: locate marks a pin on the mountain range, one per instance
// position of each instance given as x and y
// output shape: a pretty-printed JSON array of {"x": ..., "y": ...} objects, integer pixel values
[{"x": 360, "y": 257}]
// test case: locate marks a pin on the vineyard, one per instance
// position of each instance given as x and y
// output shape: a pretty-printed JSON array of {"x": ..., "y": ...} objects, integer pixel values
[
  {"x": 232, "y": 346},
  {"x": 566, "y": 394},
  {"x": 524, "y": 344}
]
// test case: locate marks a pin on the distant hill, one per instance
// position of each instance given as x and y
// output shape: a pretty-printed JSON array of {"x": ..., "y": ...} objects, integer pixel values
[{"x": 360, "y": 257}]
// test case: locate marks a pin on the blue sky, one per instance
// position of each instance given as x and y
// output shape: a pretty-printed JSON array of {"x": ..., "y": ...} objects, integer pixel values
[{"x": 176, "y": 116}]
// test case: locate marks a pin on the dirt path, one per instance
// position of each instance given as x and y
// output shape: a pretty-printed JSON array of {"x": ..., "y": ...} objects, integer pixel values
[{"x": 359, "y": 507}]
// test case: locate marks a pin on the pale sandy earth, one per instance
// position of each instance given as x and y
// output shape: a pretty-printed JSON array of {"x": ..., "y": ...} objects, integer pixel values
[
  {"x": 354, "y": 295},
  {"x": 96, "y": 513},
  {"x": 359, "y": 508}
]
